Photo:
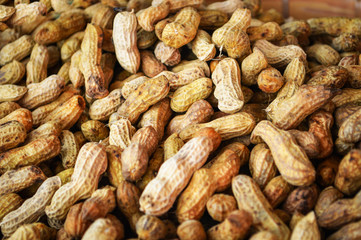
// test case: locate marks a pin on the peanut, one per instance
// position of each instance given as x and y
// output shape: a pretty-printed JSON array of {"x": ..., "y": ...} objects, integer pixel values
[
  {"x": 271, "y": 15},
  {"x": 101, "y": 109},
  {"x": 285, "y": 151},
  {"x": 191, "y": 229},
  {"x": 12, "y": 72},
  {"x": 334, "y": 26},
  {"x": 151, "y": 66},
  {"x": 184, "y": 64},
  {"x": 69, "y": 149},
  {"x": 121, "y": 132},
  {"x": 64, "y": 72},
  {"x": 326, "y": 198},
  {"x": 183, "y": 77},
  {"x": 326, "y": 171},
  {"x": 306, "y": 228},
  {"x": 346, "y": 42},
  {"x": 90, "y": 164},
  {"x": 44, "y": 92},
  {"x": 228, "y": 6},
  {"x": 348, "y": 232},
  {"x": 270, "y": 31},
  {"x": 105, "y": 228},
  {"x": 145, "y": 39},
  {"x": 104, "y": 17},
  {"x": 150, "y": 227},
  {"x": 34, "y": 231},
  {"x": 348, "y": 178},
  {"x": 250, "y": 198},
  {"x": 75, "y": 75},
  {"x": 8, "y": 203},
  {"x": 16, "y": 50},
  {"x": 350, "y": 129},
  {"x": 22, "y": 115},
  {"x": 170, "y": 56},
  {"x": 31, "y": 154},
  {"x": 11, "y": 92},
  {"x": 65, "y": 175},
  {"x": 270, "y": 80},
  {"x": 252, "y": 65},
  {"x": 125, "y": 41},
  {"x": 189, "y": 158},
  {"x": 6, "y": 12},
  {"x": 94, "y": 131},
  {"x": 71, "y": 45},
  {"x": 32, "y": 209},
  {"x": 219, "y": 206},
  {"x": 172, "y": 145},
  {"x": 277, "y": 190},
  {"x": 348, "y": 95},
  {"x": 152, "y": 14},
  {"x": 179, "y": 4},
  {"x": 36, "y": 69},
  {"x": 12, "y": 133},
  {"x": 232, "y": 36},
  {"x": 263, "y": 235},
  {"x": 203, "y": 47},
  {"x": 333, "y": 76}
]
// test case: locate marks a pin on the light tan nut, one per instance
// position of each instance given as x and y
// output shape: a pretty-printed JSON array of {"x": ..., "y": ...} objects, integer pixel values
[
  {"x": 277, "y": 190},
  {"x": 350, "y": 129},
  {"x": 324, "y": 54},
  {"x": 95, "y": 85},
  {"x": 69, "y": 149},
  {"x": 333, "y": 26},
  {"x": 250, "y": 198},
  {"x": 234, "y": 125},
  {"x": 104, "y": 17},
  {"x": 7, "y": 36},
  {"x": 350, "y": 231},
  {"x": 16, "y": 50},
  {"x": 252, "y": 65},
  {"x": 157, "y": 117},
  {"x": 301, "y": 200},
  {"x": 121, "y": 131},
  {"x": 94, "y": 131},
  {"x": 101, "y": 109},
  {"x": 45, "y": 130},
  {"x": 12, "y": 72},
  {"x": 333, "y": 76},
  {"x": 135, "y": 157},
  {"x": 67, "y": 113},
  {"x": 42, "y": 112},
  {"x": 170, "y": 56},
  {"x": 189, "y": 158},
  {"x": 6, "y": 12},
  {"x": 105, "y": 228},
  {"x": 151, "y": 66},
  {"x": 219, "y": 206},
  {"x": 128, "y": 202},
  {"x": 28, "y": 16},
  {"x": 203, "y": 47},
  {"x": 71, "y": 45},
  {"x": 130, "y": 86},
  {"x": 228, "y": 6},
  {"x": 66, "y": 24},
  {"x": 34, "y": 231},
  {"x": 36, "y": 69},
  {"x": 114, "y": 170},
  {"x": 32, "y": 209},
  {"x": 326, "y": 198},
  {"x": 179, "y": 4},
  {"x": 153, "y": 166},
  {"x": 8, "y": 203},
  {"x": 152, "y": 14},
  {"x": 16, "y": 180},
  {"x": 54, "y": 56},
  {"x": 199, "y": 112},
  {"x": 348, "y": 95},
  {"x": 11, "y": 92},
  {"x": 143, "y": 97},
  {"x": 212, "y": 19},
  {"x": 348, "y": 179},
  {"x": 279, "y": 56},
  {"x": 185, "y": 64},
  {"x": 270, "y": 31},
  {"x": 306, "y": 228},
  {"x": 22, "y": 115},
  {"x": 185, "y": 24},
  {"x": 290, "y": 159},
  {"x": 270, "y": 80},
  {"x": 125, "y": 41},
  {"x": 172, "y": 145},
  {"x": 235, "y": 226},
  {"x": 185, "y": 96},
  {"x": 191, "y": 229},
  {"x": 326, "y": 171},
  {"x": 261, "y": 165},
  {"x": 64, "y": 72},
  {"x": 232, "y": 36},
  {"x": 75, "y": 75},
  {"x": 44, "y": 92},
  {"x": 341, "y": 212},
  {"x": 183, "y": 77},
  {"x": 227, "y": 78},
  {"x": 31, "y": 154},
  {"x": 90, "y": 164},
  {"x": 311, "y": 97},
  {"x": 150, "y": 227}
]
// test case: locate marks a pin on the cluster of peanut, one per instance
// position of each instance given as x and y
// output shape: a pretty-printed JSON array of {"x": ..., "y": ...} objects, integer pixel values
[{"x": 177, "y": 119}]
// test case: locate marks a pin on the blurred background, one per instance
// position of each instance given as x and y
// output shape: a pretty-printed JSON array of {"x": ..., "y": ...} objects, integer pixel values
[{"x": 303, "y": 9}]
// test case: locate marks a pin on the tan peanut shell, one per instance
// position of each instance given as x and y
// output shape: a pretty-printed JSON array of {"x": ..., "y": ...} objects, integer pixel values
[
  {"x": 212, "y": 19},
  {"x": 7, "y": 107},
  {"x": 348, "y": 232},
  {"x": 306, "y": 228},
  {"x": 191, "y": 229},
  {"x": 143, "y": 97},
  {"x": 348, "y": 95},
  {"x": 90, "y": 164},
  {"x": 125, "y": 41},
  {"x": 101, "y": 109},
  {"x": 301, "y": 200},
  {"x": 250, "y": 198},
  {"x": 324, "y": 54},
  {"x": 172, "y": 145},
  {"x": 185, "y": 64},
  {"x": 252, "y": 65},
  {"x": 228, "y": 6},
  {"x": 16, "y": 180},
  {"x": 121, "y": 132},
  {"x": 12, "y": 72},
  {"x": 203, "y": 47},
  {"x": 270, "y": 80},
  {"x": 75, "y": 75},
  {"x": 333, "y": 76},
  {"x": 232, "y": 36},
  {"x": 234, "y": 125},
  {"x": 219, "y": 206},
  {"x": 71, "y": 45},
  {"x": 69, "y": 148},
  {"x": 105, "y": 228},
  {"x": 170, "y": 56},
  {"x": 46, "y": 91},
  {"x": 94, "y": 131},
  {"x": 183, "y": 77},
  {"x": 277, "y": 190},
  {"x": 189, "y": 158},
  {"x": 34, "y": 231},
  {"x": 16, "y": 50},
  {"x": 150, "y": 65},
  {"x": 227, "y": 78},
  {"x": 8, "y": 203},
  {"x": 12, "y": 133},
  {"x": 350, "y": 129},
  {"x": 22, "y": 115},
  {"x": 290, "y": 159},
  {"x": 32, "y": 209},
  {"x": 152, "y": 14},
  {"x": 114, "y": 170},
  {"x": 11, "y": 92},
  {"x": 36, "y": 69},
  {"x": 326, "y": 198},
  {"x": 30, "y": 154}
]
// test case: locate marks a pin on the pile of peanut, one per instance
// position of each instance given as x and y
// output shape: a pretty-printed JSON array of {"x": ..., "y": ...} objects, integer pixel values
[{"x": 177, "y": 119}]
